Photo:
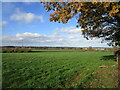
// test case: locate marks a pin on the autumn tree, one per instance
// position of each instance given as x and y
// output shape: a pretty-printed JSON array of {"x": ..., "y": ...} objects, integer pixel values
[{"x": 98, "y": 19}]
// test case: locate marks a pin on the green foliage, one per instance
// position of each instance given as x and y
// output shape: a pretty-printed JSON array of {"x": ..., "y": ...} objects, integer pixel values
[
  {"x": 90, "y": 48},
  {"x": 53, "y": 69},
  {"x": 62, "y": 50},
  {"x": 93, "y": 17}
]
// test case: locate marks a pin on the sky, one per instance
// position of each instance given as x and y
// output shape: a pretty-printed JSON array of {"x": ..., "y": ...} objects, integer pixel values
[{"x": 27, "y": 24}]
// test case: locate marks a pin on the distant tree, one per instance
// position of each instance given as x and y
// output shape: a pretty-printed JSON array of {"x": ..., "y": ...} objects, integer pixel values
[
  {"x": 90, "y": 48},
  {"x": 98, "y": 19}
]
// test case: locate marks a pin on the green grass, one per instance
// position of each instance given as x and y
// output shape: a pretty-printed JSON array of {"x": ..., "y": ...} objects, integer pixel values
[{"x": 55, "y": 70}]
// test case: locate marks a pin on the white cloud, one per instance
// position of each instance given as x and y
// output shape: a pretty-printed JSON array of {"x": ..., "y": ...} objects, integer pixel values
[
  {"x": 26, "y": 17},
  {"x": 31, "y": 39},
  {"x": 70, "y": 30},
  {"x": 69, "y": 36},
  {"x": 26, "y": 34},
  {"x": 3, "y": 23},
  {"x": 74, "y": 36}
]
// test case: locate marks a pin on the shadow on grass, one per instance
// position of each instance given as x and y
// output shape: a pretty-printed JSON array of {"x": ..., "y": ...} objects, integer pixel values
[{"x": 108, "y": 57}]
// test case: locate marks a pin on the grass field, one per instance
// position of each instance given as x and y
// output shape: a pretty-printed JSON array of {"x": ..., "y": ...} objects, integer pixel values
[{"x": 58, "y": 70}]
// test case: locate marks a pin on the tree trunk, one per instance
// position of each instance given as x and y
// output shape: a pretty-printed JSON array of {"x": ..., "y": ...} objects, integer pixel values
[{"x": 118, "y": 60}]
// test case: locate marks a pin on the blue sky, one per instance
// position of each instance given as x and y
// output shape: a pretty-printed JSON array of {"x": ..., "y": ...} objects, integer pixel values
[{"x": 28, "y": 24}]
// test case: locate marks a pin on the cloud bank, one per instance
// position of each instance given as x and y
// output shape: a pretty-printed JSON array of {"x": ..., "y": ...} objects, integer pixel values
[{"x": 70, "y": 39}]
